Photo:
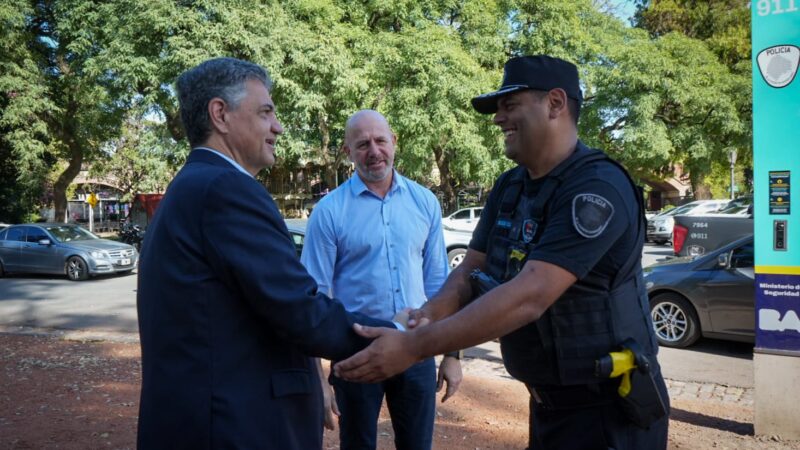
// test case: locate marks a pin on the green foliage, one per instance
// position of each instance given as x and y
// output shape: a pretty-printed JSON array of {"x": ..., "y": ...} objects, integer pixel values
[
  {"x": 724, "y": 25},
  {"x": 711, "y": 42},
  {"x": 137, "y": 161},
  {"x": 91, "y": 82}
]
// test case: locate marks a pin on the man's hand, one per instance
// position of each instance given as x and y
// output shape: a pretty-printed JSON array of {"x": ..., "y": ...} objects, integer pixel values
[
  {"x": 330, "y": 407},
  {"x": 449, "y": 371},
  {"x": 418, "y": 318},
  {"x": 402, "y": 317},
  {"x": 389, "y": 354}
]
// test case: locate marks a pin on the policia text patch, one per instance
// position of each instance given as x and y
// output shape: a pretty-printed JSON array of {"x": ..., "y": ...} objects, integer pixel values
[{"x": 591, "y": 214}]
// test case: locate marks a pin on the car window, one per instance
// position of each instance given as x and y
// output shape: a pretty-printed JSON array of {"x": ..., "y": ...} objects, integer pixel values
[
  {"x": 67, "y": 233},
  {"x": 298, "y": 242},
  {"x": 741, "y": 201},
  {"x": 680, "y": 209},
  {"x": 35, "y": 234},
  {"x": 711, "y": 207},
  {"x": 477, "y": 213},
  {"x": 733, "y": 210},
  {"x": 16, "y": 234},
  {"x": 743, "y": 256},
  {"x": 3, "y": 235},
  {"x": 463, "y": 214}
]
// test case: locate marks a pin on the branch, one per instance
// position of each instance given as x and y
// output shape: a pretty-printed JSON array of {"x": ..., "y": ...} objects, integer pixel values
[
  {"x": 705, "y": 119},
  {"x": 618, "y": 124}
]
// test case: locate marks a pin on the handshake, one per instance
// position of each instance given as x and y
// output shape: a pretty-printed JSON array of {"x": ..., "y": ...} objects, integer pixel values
[
  {"x": 391, "y": 351},
  {"x": 410, "y": 318}
]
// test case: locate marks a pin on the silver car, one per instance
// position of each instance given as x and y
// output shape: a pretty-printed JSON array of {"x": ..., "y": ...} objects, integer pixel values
[{"x": 59, "y": 248}]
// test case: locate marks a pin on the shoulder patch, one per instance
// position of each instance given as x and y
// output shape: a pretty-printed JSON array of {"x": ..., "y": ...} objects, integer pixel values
[{"x": 591, "y": 214}]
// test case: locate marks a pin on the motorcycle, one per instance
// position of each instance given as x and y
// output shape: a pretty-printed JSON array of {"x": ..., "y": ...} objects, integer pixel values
[{"x": 132, "y": 234}]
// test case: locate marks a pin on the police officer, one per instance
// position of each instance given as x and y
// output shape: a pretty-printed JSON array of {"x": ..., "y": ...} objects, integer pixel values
[{"x": 558, "y": 250}]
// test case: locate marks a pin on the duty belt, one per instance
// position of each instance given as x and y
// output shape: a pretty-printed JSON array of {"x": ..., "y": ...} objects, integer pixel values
[{"x": 571, "y": 397}]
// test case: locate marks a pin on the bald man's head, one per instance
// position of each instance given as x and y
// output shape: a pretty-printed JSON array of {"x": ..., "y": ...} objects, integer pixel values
[{"x": 370, "y": 144}]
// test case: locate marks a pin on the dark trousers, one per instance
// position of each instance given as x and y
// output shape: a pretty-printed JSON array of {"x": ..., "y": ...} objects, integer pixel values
[
  {"x": 411, "y": 398},
  {"x": 601, "y": 427}
]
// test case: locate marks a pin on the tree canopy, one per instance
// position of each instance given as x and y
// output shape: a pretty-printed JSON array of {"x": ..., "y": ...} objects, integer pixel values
[{"x": 88, "y": 82}]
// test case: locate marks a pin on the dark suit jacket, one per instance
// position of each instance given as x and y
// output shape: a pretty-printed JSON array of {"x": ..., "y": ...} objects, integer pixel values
[{"x": 228, "y": 318}]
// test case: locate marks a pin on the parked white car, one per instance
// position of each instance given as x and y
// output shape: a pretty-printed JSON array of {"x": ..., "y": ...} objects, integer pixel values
[
  {"x": 456, "y": 243},
  {"x": 465, "y": 219}
]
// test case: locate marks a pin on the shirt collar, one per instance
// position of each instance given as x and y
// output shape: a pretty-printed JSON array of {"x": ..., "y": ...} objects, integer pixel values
[
  {"x": 226, "y": 158},
  {"x": 358, "y": 187}
]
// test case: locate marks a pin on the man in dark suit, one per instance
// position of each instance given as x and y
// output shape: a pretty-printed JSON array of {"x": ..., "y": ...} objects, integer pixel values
[{"x": 228, "y": 316}]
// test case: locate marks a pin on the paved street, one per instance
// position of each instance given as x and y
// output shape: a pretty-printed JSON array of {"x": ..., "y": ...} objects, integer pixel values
[
  {"x": 44, "y": 301},
  {"x": 108, "y": 304}
]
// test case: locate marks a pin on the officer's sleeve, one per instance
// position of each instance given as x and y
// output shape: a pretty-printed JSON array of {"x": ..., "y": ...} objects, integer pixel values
[
  {"x": 319, "y": 248},
  {"x": 586, "y": 219}
]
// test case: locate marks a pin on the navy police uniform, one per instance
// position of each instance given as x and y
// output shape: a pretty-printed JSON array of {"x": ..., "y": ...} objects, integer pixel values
[{"x": 585, "y": 216}]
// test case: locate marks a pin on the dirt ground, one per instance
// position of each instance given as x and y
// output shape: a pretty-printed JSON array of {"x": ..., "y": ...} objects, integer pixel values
[{"x": 83, "y": 394}]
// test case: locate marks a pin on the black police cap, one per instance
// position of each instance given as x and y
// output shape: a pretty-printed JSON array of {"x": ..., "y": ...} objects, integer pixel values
[{"x": 538, "y": 72}]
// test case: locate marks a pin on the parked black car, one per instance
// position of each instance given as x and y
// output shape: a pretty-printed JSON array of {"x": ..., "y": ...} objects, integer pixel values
[
  {"x": 697, "y": 235},
  {"x": 297, "y": 229},
  {"x": 711, "y": 295}
]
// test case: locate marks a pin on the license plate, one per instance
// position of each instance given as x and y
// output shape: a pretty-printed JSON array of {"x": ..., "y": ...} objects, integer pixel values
[{"x": 124, "y": 262}]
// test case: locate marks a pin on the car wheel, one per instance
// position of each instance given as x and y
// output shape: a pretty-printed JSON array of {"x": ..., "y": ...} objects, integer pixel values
[
  {"x": 456, "y": 256},
  {"x": 659, "y": 242},
  {"x": 674, "y": 320},
  {"x": 2, "y": 270},
  {"x": 77, "y": 269}
]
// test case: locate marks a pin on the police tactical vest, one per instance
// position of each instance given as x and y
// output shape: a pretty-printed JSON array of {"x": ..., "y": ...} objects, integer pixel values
[{"x": 593, "y": 316}]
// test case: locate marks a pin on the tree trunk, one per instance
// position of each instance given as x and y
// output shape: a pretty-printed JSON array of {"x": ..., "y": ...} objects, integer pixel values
[
  {"x": 65, "y": 179},
  {"x": 700, "y": 189},
  {"x": 328, "y": 163},
  {"x": 445, "y": 181}
]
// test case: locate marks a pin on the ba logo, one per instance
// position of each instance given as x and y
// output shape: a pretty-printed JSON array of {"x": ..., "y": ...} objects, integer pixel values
[
  {"x": 770, "y": 320},
  {"x": 778, "y": 64}
]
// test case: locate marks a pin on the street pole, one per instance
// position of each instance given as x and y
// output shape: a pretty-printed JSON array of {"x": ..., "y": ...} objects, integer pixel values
[{"x": 733, "y": 163}]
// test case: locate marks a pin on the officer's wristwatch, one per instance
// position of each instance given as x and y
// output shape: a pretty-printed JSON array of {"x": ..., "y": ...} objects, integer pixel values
[{"x": 457, "y": 355}]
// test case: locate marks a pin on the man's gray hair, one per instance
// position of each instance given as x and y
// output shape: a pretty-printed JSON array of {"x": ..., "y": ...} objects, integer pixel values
[{"x": 223, "y": 78}]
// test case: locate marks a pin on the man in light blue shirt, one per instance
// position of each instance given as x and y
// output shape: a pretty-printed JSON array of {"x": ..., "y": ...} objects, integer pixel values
[{"x": 376, "y": 242}]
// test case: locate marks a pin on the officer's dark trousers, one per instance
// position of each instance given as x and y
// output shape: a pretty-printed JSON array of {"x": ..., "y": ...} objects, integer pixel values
[
  {"x": 411, "y": 398},
  {"x": 594, "y": 428}
]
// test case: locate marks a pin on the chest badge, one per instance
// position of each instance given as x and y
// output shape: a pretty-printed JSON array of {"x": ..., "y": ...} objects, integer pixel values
[{"x": 529, "y": 227}]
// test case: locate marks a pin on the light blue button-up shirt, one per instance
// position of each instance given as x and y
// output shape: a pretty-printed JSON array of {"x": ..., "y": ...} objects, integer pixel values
[{"x": 377, "y": 255}]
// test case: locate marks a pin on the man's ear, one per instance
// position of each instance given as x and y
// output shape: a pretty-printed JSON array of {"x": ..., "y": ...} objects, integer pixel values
[
  {"x": 346, "y": 151},
  {"x": 557, "y": 99},
  {"x": 217, "y": 109}
]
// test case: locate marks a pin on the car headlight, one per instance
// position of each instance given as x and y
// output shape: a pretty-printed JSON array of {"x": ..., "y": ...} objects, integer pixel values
[{"x": 99, "y": 254}]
